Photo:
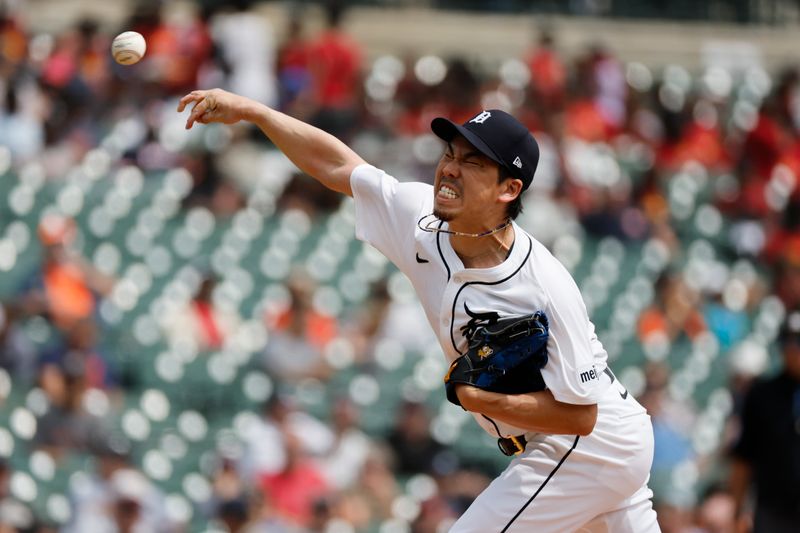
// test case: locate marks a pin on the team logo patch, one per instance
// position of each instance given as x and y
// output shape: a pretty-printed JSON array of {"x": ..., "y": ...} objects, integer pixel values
[{"x": 481, "y": 117}]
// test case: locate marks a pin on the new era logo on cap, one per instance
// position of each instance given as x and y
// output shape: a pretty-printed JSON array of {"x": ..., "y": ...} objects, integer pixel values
[{"x": 503, "y": 139}]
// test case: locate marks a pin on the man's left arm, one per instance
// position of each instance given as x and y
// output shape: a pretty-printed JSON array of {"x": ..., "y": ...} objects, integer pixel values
[{"x": 535, "y": 411}]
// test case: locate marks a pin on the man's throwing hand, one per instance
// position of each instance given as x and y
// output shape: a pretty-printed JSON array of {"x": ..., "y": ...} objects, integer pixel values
[{"x": 214, "y": 105}]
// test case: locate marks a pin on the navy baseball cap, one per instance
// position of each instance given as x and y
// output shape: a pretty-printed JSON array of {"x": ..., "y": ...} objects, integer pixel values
[{"x": 498, "y": 136}]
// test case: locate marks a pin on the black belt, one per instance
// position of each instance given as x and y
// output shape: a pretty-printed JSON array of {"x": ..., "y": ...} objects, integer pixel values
[{"x": 512, "y": 445}]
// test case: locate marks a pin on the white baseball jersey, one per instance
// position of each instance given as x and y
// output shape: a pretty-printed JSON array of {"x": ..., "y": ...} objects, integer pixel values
[
  {"x": 608, "y": 471},
  {"x": 457, "y": 300}
]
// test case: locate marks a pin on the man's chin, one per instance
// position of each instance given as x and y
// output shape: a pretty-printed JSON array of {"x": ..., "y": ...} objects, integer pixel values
[{"x": 442, "y": 215}]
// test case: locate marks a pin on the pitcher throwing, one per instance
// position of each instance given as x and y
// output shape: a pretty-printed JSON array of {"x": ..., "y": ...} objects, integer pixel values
[{"x": 525, "y": 359}]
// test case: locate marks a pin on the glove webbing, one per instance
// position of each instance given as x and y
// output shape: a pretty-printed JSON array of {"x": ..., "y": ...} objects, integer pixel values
[{"x": 510, "y": 357}]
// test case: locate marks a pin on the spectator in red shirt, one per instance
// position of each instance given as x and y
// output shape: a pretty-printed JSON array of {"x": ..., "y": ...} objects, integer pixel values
[
  {"x": 787, "y": 274},
  {"x": 293, "y": 72},
  {"x": 294, "y": 490},
  {"x": 585, "y": 121},
  {"x": 177, "y": 49},
  {"x": 200, "y": 323},
  {"x": 13, "y": 41},
  {"x": 66, "y": 286},
  {"x": 335, "y": 66},
  {"x": 548, "y": 73},
  {"x": 772, "y": 141}
]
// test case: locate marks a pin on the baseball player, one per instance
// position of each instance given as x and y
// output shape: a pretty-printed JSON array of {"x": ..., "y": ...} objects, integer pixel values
[{"x": 582, "y": 445}]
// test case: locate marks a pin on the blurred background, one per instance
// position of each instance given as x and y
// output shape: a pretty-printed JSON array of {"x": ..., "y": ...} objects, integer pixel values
[{"x": 191, "y": 338}]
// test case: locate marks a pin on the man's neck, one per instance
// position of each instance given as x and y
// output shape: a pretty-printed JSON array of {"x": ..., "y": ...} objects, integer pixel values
[{"x": 484, "y": 252}]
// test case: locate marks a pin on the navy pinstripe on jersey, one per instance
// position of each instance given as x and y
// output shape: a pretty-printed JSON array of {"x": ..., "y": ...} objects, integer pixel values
[
  {"x": 539, "y": 489},
  {"x": 467, "y": 284},
  {"x": 439, "y": 247}
]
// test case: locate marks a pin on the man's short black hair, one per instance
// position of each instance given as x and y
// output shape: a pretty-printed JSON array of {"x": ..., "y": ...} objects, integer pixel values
[{"x": 514, "y": 208}]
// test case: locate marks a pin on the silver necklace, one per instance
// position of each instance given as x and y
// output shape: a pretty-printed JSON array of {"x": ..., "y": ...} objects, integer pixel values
[{"x": 428, "y": 226}]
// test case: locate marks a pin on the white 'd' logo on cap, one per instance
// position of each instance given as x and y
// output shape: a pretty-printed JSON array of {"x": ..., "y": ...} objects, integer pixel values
[
  {"x": 518, "y": 162},
  {"x": 481, "y": 118}
]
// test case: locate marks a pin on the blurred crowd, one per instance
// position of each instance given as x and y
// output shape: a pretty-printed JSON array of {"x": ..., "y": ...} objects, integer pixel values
[{"x": 700, "y": 166}]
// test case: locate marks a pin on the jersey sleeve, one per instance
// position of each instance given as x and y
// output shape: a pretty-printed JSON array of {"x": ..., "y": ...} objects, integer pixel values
[
  {"x": 387, "y": 212},
  {"x": 573, "y": 372}
]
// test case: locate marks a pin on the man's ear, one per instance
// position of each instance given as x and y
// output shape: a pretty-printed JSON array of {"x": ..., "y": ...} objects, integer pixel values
[{"x": 510, "y": 189}]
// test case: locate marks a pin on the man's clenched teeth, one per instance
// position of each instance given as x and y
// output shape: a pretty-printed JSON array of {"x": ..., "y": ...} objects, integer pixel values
[{"x": 447, "y": 192}]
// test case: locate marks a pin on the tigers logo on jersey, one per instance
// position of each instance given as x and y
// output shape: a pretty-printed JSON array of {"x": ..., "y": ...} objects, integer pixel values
[{"x": 476, "y": 320}]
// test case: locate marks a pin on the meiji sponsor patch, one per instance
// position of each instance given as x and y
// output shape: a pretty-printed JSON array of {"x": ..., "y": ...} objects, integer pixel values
[{"x": 587, "y": 374}]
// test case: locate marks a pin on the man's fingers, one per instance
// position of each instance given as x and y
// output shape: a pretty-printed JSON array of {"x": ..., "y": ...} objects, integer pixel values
[
  {"x": 197, "y": 112},
  {"x": 205, "y": 107},
  {"x": 194, "y": 96}
]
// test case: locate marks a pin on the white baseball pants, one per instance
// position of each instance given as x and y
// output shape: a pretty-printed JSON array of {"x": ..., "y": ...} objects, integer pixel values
[{"x": 565, "y": 484}]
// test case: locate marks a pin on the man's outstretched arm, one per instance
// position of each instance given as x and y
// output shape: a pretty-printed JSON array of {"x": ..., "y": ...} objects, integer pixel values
[{"x": 317, "y": 153}]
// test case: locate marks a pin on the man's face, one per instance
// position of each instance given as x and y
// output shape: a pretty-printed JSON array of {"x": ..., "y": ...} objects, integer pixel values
[
  {"x": 466, "y": 188},
  {"x": 791, "y": 357}
]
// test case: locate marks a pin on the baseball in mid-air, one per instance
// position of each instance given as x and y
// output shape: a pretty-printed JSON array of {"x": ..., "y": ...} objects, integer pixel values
[{"x": 128, "y": 47}]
